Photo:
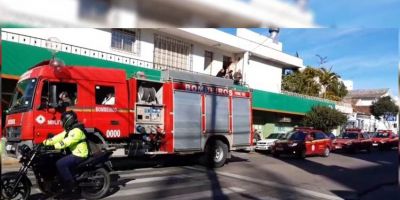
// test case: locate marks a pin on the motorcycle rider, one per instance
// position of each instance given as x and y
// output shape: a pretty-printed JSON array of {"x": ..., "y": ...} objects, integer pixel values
[{"x": 72, "y": 139}]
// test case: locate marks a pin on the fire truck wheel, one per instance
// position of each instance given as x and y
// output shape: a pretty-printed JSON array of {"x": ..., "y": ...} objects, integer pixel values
[{"x": 216, "y": 153}]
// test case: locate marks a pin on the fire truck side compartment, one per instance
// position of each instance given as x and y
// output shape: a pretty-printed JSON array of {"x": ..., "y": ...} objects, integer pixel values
[
  {"x": 217, "y": 114},
  {"x": 241, "y": 121},
  {"x": 187, "y": 121}
]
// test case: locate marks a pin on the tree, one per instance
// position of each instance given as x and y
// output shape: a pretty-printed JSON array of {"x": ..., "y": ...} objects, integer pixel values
[
  {"x": 318, "y": 82},
  {"x": 324, "y": 118},
  {"x": 384, "y": 106}
]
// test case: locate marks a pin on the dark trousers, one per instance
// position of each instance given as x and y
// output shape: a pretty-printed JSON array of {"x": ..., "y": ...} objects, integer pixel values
[{"x": 65, "y": 165}]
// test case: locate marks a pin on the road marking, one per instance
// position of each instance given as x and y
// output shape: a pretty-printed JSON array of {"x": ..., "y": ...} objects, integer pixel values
[
  {"x": 146, "y": 173},
  {"x": 273, "y": 184},
  {"x": 142, "y": 190},
  {"x": 204, "y": 194},
  {"x": 162, "y": 178}
]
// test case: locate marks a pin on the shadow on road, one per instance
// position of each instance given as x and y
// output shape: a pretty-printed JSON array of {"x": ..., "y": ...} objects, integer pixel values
[{"x": 362, "y": 179}]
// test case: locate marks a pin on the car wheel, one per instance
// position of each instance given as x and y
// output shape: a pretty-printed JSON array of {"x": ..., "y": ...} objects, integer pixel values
[
  {"x": 369, "y": 149},
  {"x": 327, "y": 152},
  {"x": 275, "y": 154},
  {"x": 302, "y": 154}
]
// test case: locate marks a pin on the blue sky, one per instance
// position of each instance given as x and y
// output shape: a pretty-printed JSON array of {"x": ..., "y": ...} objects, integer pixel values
[
  {"x": 368, "y": 57},
  {"x": 356, "y": 13}
]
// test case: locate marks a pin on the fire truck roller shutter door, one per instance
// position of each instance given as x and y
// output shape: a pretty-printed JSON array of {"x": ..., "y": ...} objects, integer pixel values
[
  {"x": 241, "y": 121},
  {"x": 217, "y": 114},
  {"x": 187, "y": 121}
]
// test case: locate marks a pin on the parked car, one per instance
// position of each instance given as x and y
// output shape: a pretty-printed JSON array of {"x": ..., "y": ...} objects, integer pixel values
[
  {"x": 303, "y": 142},
  {"x": 353, "y": 140},
  {"x": 385, "y": 139},
  {"x": 268, "y": 142}
]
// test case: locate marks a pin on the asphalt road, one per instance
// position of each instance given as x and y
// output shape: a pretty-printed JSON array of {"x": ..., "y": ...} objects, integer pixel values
[{"x": 257, "y": 176}]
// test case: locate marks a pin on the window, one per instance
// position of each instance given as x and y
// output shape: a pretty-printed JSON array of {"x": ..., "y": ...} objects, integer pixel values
[
  {"x": 105, "y": 95},
  {"x": 365, "y": 136},
  {"x": 227, "y": 61},
  {"x": 208, "y": 58},
  {"x": 66, "y": 93},
  {"x": 320, "y": 136},
  {"x": 171, "y": 53},
  {"x": 124, "y": 40}
]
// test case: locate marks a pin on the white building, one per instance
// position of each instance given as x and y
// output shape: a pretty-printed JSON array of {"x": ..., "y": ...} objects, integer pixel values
[
  {"x": 203, "y": 50},
  {"x": 361, "y": 101}
]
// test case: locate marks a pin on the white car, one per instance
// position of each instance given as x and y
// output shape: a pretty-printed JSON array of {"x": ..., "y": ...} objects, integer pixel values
[{"x": 266, "y": 144}]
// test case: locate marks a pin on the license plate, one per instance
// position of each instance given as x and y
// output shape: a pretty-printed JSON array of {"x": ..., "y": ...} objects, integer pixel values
[
  {"x": 338, "y": 147},
  {"x": 279, "y": 148},
  {"x": 374, "y": 144},
  {"x": 8, "y": 147}
]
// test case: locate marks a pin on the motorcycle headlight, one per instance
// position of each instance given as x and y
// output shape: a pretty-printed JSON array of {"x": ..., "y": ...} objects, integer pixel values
[{"x": 24, "y": 149}]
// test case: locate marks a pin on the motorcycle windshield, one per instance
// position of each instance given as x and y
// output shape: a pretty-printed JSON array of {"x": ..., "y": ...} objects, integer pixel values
[{"x": 23, "y": 96}]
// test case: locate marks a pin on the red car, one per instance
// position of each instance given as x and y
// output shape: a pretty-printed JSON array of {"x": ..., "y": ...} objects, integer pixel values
[
  {"x": 353, "y": 140},
  {"x": 303, "y": 142},
  {"x": 385, "y": 139}
]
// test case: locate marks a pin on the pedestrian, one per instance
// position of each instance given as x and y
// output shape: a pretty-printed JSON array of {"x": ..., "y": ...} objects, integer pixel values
[
  {"x": 237, "y": 77},
  {"x": 221, "y": 73},
  {"x": 229, "y": 75}
]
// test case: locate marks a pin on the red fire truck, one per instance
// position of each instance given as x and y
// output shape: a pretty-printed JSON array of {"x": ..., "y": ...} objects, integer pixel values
[{"x": 182, "y": 113}]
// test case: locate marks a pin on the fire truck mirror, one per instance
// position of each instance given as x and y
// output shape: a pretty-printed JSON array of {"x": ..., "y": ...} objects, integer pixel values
[{"x": 53, "y": 96}]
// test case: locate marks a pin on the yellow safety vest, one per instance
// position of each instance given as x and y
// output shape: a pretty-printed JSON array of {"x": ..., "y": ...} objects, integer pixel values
[{"x": 75, "y": 141}]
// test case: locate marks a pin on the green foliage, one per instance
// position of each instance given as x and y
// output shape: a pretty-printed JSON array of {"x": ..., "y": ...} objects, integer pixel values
[
  {"x": 384, "y": 106},
  {"x": 317, "y": 82},
  {"x": 324, "y": 118}
]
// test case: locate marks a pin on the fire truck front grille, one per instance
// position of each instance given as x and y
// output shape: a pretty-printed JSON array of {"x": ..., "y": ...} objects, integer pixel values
[{"x": 13, "y": 132}]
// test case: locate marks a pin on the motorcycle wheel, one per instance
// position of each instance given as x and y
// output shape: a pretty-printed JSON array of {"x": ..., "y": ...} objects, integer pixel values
[
  {"x": 101, "y": 178},
  {"x": 22, "y": 191}
]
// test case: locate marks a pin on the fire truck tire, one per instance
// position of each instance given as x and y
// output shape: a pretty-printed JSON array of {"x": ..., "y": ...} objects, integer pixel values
[{"x": 215, "y": 154}]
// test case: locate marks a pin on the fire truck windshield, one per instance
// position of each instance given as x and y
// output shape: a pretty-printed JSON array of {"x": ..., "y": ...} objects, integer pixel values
[{"x": 23, "y": 96}]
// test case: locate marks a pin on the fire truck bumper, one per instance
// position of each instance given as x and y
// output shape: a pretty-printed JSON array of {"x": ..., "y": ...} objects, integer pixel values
[{"x": 12, "y": 147}]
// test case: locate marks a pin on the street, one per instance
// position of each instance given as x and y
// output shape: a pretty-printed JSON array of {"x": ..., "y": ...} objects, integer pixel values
[{"x": 255, "y": 176}]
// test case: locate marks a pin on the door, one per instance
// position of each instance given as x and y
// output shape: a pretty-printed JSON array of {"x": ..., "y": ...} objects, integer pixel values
[
  {"x": 321, "y": 142},
  {"x": 310, "y": 143},
  {"x": 110, "y": 112},
  {"x": 47, "y": 119}
]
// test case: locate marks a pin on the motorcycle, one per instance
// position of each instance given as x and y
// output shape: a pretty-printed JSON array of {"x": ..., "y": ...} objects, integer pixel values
[{"x": 92, "y": 176}]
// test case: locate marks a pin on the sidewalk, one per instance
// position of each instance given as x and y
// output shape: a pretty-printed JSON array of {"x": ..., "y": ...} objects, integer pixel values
[{"x": 9, "y": 161}]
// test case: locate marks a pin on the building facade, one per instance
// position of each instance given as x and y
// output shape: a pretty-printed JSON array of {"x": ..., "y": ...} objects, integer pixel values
[
  {"x": 199, "y": 50},
  {"x": 361, "y": 101}
]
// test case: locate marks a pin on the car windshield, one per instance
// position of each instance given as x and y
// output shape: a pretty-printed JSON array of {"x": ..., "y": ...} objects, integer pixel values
[
  {"x": 295, "y": 135},
  {"x": 382, "y": 135},
  {"x": 274, "y": 136},
  {"x": 23, "y": 96},
  {"x": 349, "y": 135}
]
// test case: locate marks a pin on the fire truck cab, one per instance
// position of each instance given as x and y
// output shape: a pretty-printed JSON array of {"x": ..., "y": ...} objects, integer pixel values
[{"x": 181, "y": 113}]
